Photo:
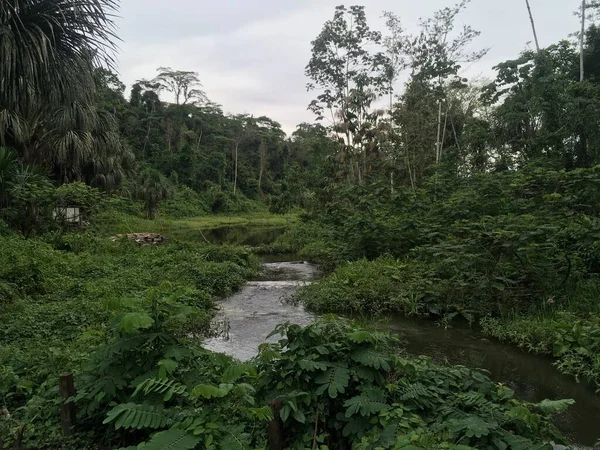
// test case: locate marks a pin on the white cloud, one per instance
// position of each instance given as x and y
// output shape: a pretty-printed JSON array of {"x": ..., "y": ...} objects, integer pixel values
[{"x": 251, "y": 54}]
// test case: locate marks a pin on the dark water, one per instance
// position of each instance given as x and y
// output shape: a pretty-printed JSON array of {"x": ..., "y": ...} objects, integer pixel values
[
  {"x": 233, "y": 235},
  {"x": 532, "y": 377},
  {"x": 253, "y": 313}
]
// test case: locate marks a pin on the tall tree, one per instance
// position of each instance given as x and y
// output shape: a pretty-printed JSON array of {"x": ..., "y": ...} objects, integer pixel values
[
  {"x": 49, "y": 50},
  {"x": 183, "y": 84},
  {"x": 48, "y": 85},
  {"x": 152, "y": 188},
  {"x": 351, "y": 78},
  {"x": 581, "y": 41},
  {"x": 262, "y": 152},
  {"x": 435, "y": 55}
]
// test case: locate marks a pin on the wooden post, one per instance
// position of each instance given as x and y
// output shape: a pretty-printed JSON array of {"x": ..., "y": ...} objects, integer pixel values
[
  {"x": 66, "y": 389},
  {"x": 275, "y": 438}
]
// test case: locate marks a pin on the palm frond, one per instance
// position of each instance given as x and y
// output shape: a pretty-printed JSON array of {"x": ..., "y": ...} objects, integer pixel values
[{"x": 49, "y": 47}]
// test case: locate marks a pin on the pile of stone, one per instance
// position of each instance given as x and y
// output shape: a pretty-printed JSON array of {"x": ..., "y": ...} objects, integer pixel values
[{"x": 143, "y": 238}]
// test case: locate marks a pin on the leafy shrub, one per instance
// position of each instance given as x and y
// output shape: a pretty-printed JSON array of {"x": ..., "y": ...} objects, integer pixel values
[
  {"x": 63, "y": 293},
  {"x": 224, "y": 201},
  {"x": 573, "y": 341},
  {"x": 153, "y": 385},
  {"x": 185, "y": 203},
  {"x": 335, "y": 384}
]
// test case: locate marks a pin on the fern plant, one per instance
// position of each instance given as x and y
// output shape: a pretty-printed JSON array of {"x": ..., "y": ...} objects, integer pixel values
[
  {"x": 157, "y": 389},
  {"x": 338, "y": 385}
]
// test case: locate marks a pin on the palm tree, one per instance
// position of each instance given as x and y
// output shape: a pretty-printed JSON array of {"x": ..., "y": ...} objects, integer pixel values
[
  {"x": 49, "y": 48},
  {"x": 48, "y": 52},
  {"x": 8, "y": 165},
  {"x": 152, "y": 188},
  {"x": 82, "y": 143}
]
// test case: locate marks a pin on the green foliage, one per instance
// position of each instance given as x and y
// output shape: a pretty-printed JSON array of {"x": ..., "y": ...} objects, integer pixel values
[
  {"x": 495, "y": 245},
  {"x": 185, "y": 203},
  {"x": 152, "y": 188},
  {"x": 76, "y": 292},
  {"x": 573, "y": 341},
  {"x": 339, "y": 384}
]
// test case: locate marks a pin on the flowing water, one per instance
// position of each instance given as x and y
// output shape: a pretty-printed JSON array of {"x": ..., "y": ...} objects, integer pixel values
[
  {"x": 258, "y": 308},
  {"x": 253, "y": 313}
]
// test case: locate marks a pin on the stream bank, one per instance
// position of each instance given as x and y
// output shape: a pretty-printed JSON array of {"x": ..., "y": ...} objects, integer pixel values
[{"x": 251, "y": 314}]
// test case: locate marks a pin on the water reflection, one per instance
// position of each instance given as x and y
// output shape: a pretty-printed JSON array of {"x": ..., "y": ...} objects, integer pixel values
[
  {"x": 532, "y": 377},
  {"x": 234, "y": 235}
]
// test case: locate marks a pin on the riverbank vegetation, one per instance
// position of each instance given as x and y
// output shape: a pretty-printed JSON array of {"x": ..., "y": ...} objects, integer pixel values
[
  {"x": 459, "y": 198},
  {"x": 508, "y": 250}
]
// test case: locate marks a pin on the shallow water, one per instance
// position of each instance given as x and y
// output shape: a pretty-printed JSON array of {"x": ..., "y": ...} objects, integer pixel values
[
  {"x": 260, "y": 306},
  {"x": 255, "y": 311}
]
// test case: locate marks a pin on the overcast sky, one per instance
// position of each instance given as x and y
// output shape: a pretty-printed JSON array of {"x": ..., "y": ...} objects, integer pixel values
[{"x": 251, "y": 54}]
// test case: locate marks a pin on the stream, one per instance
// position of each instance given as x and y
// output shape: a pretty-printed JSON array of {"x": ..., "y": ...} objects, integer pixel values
[{"x": 252, "y": 313}]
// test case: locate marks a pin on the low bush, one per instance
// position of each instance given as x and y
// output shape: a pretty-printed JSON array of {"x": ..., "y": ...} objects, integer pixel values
[
  {"x": 575, "y": 342},
  {"x": 58, "y": 297}
]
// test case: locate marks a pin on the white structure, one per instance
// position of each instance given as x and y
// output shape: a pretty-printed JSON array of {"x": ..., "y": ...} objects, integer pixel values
[{"x": 68, "y": 214}]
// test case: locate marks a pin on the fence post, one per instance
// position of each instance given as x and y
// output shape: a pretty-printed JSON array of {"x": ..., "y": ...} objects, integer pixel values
[
  {"x": 66, "y": 388},
  {"x": 275, "y": 432}
]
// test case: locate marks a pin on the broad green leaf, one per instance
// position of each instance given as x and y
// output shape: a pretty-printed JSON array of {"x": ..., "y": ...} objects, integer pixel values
[
  {"x": 132, "y": 322},
  {"x": 210, "y": 391},
  {"x": 235, "y": 371}
]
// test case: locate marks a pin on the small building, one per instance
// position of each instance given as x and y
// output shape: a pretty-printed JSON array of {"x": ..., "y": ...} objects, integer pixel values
[{"x": 68, "y": 215}]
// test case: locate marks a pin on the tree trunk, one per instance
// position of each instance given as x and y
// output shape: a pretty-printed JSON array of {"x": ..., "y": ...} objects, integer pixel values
[
  {"x": 581, "y": 42},
  {"x": 235, "y": 169},
  {"x": 262, "y": 152},
  {"x": 439, "y": 132},
  {"x": 535, "y": 37}
]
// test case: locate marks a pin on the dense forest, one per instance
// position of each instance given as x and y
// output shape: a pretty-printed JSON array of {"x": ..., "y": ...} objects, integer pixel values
[{"x": 419, "y": 191}]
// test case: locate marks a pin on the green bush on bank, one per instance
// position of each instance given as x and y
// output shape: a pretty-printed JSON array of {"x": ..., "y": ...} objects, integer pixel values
[
  {"x": 573, "y": 341},
  {"x": 58, "y": 295},
  {"x": 501, "y": 245}
]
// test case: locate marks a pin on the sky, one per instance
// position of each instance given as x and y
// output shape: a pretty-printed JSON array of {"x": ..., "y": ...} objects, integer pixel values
[{"x": 251, "y": 54}]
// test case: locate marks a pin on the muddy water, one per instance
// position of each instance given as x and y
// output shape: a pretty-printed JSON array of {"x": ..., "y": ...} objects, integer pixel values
[{"x": 253, "y": 313}]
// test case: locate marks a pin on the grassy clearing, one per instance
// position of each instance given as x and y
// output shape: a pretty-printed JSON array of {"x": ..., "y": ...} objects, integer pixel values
[{"x": 125, "y": 223}]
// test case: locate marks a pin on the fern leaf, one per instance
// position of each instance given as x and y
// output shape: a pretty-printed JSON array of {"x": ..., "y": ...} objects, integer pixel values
[
  {"x": 167, "y": 388},
  {"x": 209, "y": 391},
  {"x": 235, "y": 371},
  {"x": 132, "y": 415},
  {"x": 334, "y": 381},
  {"x": 311, "y": 366},
  {"x": 371, "y": 358},
  {"x": 366, "y": 404},
  {"x": 554, "y": 406},
  {"x": 472, "y": 426},
  {"x": 172, "y": 439}
]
